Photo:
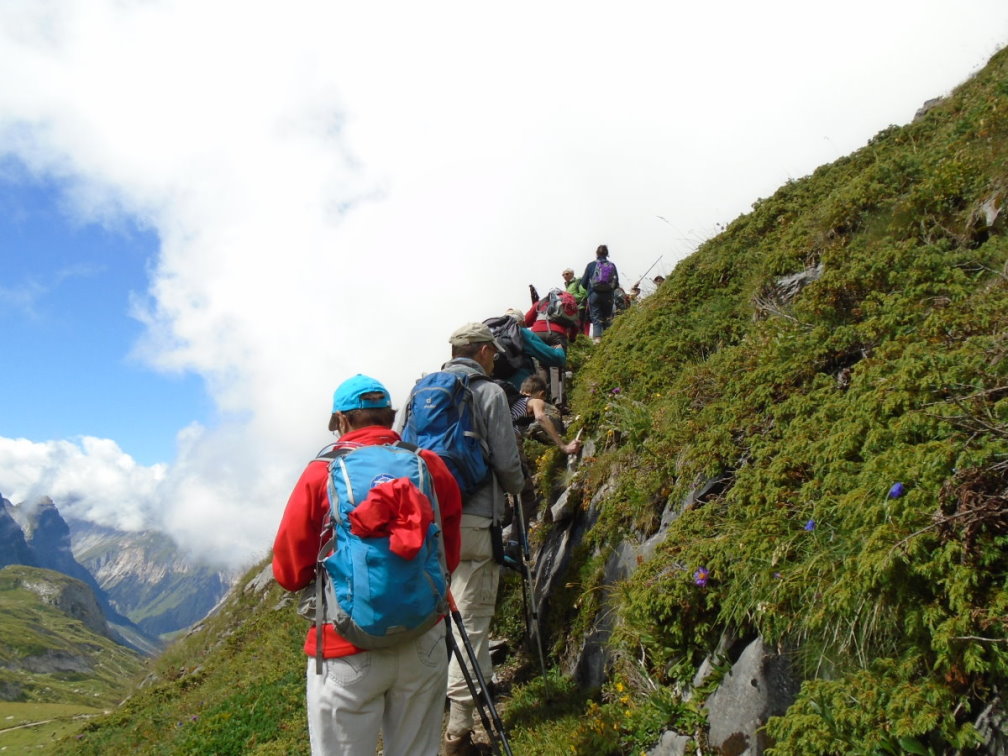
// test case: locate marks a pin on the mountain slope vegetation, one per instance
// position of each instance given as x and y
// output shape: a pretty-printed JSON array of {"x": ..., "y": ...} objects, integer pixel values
[
  {"x": 819, "y": 395},
  {"x": 856, "y": 429},
  {"x": 56, "y": 646}
]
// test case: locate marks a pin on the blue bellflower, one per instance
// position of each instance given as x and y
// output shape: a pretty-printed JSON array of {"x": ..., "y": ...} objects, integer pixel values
[{"x": 700, "y": 576}]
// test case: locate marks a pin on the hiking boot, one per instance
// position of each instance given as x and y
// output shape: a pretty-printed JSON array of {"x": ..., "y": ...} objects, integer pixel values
[{"x": 464, "y": 746}]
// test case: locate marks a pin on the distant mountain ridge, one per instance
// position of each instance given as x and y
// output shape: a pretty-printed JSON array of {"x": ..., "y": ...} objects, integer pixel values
[
  {"x": 143, "y": 582},
  {"x": 147, "y": 578}
]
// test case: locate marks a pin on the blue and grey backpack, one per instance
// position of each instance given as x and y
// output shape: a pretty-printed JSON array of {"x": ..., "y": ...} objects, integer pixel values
[
  {"x": 440, "y": 417},
  {"x": 374, "y": 597}
]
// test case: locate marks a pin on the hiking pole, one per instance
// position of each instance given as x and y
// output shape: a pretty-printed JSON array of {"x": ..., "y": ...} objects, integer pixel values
[
  {"x": 531, "y": 608},
  {"x": 471, "y": 652},
  {"x": 472, "y": 686},
  {"x": 570, "y": 457},
  {"x": 648, "y": 270}
]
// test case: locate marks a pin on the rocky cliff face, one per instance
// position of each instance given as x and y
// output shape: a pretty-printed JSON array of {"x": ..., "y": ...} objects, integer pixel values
[
  {"x": 147, "y": 578},
  {"x": 72, "y": 597},
  {"x": 47, "y": 535},
  {"x": 13, "y": 547}
]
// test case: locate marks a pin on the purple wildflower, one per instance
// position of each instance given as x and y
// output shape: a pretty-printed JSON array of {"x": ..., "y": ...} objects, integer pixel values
[
  {"x": 810, "y": 525},
  {"x": 897, "y": 490},
  {"x": 700, "y": 576},
  {"x": 616, "y": 391},
  {"x": 777, "y": 575}
]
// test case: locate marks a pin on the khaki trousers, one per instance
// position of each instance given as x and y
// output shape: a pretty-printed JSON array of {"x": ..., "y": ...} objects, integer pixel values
[
  {"x": 399, "y": 691},
  {"x": 474, "y": 585}
]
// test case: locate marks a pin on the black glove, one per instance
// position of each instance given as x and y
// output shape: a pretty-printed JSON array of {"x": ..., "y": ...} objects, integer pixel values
[{"x": 534, "y": 293}]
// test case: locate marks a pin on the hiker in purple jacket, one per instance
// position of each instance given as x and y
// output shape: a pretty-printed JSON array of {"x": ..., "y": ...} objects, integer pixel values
[{"x": 601, "y": 280}]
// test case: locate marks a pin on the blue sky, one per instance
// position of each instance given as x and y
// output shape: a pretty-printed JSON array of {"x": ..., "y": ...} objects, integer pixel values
[
  {"x": 212, "y": 213},
  {"x": 67, "y": 335}
]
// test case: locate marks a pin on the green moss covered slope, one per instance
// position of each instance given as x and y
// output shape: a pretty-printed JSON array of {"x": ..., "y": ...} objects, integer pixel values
[{"x": 858, "y": 427}]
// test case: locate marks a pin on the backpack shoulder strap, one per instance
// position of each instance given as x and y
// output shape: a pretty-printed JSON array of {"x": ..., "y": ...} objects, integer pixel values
[{"x": 337, "y": 449}]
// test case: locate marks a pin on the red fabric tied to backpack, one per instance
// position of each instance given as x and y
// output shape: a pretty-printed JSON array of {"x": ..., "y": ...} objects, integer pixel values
[{"x": 395, "y": 509}]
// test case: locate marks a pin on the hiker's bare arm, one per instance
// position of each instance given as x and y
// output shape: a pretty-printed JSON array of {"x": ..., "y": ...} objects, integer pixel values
[{"x": 538, "y": 407}]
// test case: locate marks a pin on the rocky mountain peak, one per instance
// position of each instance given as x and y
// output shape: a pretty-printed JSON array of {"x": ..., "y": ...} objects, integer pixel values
[
  {"x": 43, "y": 525},
  {"x": 13, "y": 547}
]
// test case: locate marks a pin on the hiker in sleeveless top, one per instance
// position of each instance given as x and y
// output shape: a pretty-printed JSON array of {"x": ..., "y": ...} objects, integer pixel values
[
  {"x": 353, "y": 693},
  {"x": 601, "y": 279},
  {"x": 534, "y": 417}
]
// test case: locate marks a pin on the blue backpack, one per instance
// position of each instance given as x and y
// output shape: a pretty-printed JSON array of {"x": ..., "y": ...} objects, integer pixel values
[
  {"x": 375, "y": 596},
  {"x": 440, "y": 417},
  {"x": 603, "y": 278}
]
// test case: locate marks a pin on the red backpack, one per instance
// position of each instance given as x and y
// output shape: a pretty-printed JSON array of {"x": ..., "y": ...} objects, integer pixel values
[{"x": 558, "y": 306}]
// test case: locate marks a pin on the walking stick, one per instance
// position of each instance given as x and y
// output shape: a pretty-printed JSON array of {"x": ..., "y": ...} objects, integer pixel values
[
  {"x": 528, "y": 593},
  {"x": 648, "y": 270},
  {"x": 472, "y": 687},
  {"x": 498, "y": 725}
]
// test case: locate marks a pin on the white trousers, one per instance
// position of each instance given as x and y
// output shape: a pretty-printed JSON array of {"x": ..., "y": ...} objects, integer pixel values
[
  {"x": 474, "y": 585},
  {"x": 399, "y": 691}
]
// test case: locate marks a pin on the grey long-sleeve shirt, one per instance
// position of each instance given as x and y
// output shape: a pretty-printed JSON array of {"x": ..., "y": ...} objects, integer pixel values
[{"x": 493, "y": 423}]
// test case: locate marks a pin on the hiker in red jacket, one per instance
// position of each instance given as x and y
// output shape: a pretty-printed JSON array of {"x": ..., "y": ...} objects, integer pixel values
[
  {"x": 555, "y": 333},
  {"x": 399, "y": 690}
]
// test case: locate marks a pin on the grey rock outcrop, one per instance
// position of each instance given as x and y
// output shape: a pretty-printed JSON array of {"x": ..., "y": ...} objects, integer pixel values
[
  {"x": 761, "y": 684},
  {"x": 927, "y": 107},
  {"x": 588, "y": 658},
  {"x": 992, "y": 724},
  {"x": 72, "y": 597},
  {"x": 671, "y": 744}
]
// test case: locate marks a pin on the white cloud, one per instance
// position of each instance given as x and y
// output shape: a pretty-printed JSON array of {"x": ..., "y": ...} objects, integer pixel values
[
  {"x": 91, "y": 478},
  {"x": 337, "y": 186}
]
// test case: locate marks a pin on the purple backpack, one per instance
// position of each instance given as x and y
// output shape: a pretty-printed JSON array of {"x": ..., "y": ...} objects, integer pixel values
[{"x": 603, "y": 278}]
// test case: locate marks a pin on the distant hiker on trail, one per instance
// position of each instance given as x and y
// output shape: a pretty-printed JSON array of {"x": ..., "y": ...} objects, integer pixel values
[
  {"x": 474, "y": 582},
  {"x": 573, "y": 287},
  {"x": 601, "y": 279},
  {"x": 536, "y": 418},
  {"x": 401, "y": 496},
  {"x": 516, "y": 363},
  {"x": 554, "y": 318}
]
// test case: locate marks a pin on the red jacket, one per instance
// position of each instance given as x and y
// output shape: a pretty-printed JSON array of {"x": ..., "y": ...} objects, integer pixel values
[{"x": 297, "y": 543}]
